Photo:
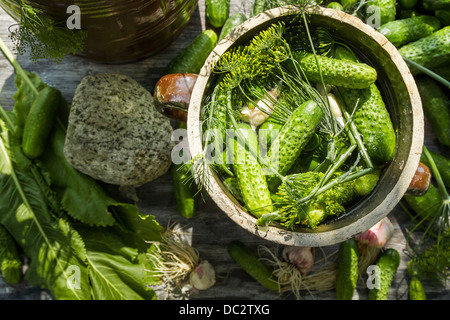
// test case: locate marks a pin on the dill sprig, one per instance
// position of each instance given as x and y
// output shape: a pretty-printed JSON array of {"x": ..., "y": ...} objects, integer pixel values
[
  {"x": 44, "y": 37},
  {"x": 241, "y": 63},
  {"x": 246, "y": 74}
]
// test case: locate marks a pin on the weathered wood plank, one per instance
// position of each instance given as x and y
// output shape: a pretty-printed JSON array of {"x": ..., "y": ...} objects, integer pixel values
[{"x": 211, "y": 230}]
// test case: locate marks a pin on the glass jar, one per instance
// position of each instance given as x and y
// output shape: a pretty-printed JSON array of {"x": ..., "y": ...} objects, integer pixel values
[{"x": 120, "y": 31}]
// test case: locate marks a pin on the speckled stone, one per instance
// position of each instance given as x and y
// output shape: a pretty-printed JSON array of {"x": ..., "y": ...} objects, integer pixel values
[{"x": 115, "y": 134}]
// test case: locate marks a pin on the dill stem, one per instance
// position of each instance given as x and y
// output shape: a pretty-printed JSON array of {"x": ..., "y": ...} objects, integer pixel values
[
  {"x": 354, "y": 134},
  {"x": 314, "y": 53},
  {"x": 437, "y": 175},
  {"x": 428, "y": 72},
  {"x": 7, "y": 120},
  {"x": 8, "y": 54}
]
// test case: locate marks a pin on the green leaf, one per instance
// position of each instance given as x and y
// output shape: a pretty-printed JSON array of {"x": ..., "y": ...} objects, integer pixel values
[
  {"x": 54, "y": 248},
  {"x": 116, "y": 268},
  {"x": 107, "y": 262},
  {"x": 143, "y": 226},
  {"x": 81, "y": 196}
]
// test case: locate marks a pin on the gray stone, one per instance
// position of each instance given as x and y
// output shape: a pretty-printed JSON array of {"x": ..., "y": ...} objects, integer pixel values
[{"x": 115, "y": 134}]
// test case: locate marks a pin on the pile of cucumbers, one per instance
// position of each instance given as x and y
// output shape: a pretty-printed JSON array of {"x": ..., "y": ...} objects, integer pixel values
[{"x": 421, "y": 32}]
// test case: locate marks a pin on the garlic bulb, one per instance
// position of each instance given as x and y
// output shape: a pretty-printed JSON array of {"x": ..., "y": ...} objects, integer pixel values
[
  {"x": 203, "y": 276},
  {"x": 257, "y": 115},
  {"x": 301, "y": 257},
  {"x": 378, "y": 235}
]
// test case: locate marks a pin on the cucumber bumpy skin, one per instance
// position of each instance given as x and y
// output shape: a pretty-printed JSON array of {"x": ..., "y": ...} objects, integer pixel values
[
  {"x": 252, "y": 183},
  {"x": 436, "y": 107},
  {"x": 10, "y": 263},
  {"x": 388, "y": 263},
  {"x": 232, "y": 22},
  {"x": 432, "y": 51},
  {"x": 217, "y": 12},
  {"x": 346, "y": 74},
  {"x": 291, "y": 140},
  {"x": 347, "y": 274},
  {"x": 268, "y": 131},
  {"x": 403, "y": 31},
  {"x": 371, "y": 117},
  {"x": 386, "y": 9}
]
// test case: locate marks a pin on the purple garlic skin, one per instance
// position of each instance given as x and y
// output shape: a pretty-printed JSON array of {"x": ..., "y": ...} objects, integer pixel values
[
  {"x": 301, "y": 257},
  {"x": 378, "y": 235},
  {"x": 203, "y": 276}
]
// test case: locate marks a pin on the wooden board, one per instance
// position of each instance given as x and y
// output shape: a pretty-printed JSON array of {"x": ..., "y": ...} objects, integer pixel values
[{"x": 211, "y": 230}]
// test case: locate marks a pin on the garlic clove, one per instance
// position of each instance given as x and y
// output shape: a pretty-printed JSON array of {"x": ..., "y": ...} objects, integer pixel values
[
  {"x": 203, "y": 276},
  {"x": 378, "y": 235},
  {"x": 301, "y": 257},
  {"x": 257, "y": 115}
]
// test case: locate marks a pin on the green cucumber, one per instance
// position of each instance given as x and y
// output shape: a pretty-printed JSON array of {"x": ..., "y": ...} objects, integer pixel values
[
  {"x": 349, "y": 5},
  {"x": 184, "y": 191},
  {"x": 385, "y": 8},
  {"x": 335, "y": 5},
  {"x": 232, "y": 185},
  {"x": 250, "y": 263},
  {"x": 407, "y": 4},
  {"x": 373, "y": 123},
  {"x": 347, "y": 269},
  {"x": 232, "y": 22},
  {"x": 184, "y": 186},
  {"x": 258, "y": 7},
  {"x": 252, "y": 182},
  {"x": 10, "y": 263},
  {"x": 291, "y": 140},
  {"x": 371, "y": 117},
  {"x": 432, "y": 51},
  {"x": 364, "y": 185},
  {"x": 192, "y": 58},
  {"x": 442, "y": 164},
  {"x": 268, "y": 131},
  {"x": 217, "y": 12},
  {"x": 444, "y": 16},
  {"x": 40, "y": 121},
  {"x": 347, "y": 74},
  {"x": 416, "y": 290},
  {"x": 436, "y": 4},
  {"x": 388, "y": 263},
  {"x": 427, "y": 205},
  {"x": 403, "y": 31},
  {"x": 436, "y": 107}
]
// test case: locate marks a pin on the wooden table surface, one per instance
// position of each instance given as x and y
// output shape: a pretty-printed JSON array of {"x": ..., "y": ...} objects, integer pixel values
[{"x": 211, "y": 230}]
